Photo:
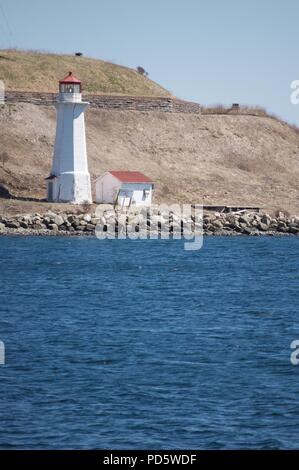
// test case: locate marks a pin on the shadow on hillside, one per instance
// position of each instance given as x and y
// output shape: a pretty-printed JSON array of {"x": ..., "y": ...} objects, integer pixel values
[
  {"x": 2, "y": 57},
  {"x": 6, "y": 194},
  {"x": 26, "y": 199}
]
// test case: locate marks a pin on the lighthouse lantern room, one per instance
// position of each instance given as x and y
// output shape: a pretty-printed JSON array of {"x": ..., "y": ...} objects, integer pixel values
[{"x": 69, "y": 180}]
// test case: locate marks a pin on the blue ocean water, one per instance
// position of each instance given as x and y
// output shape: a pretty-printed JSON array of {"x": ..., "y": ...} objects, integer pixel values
[{"x": 140, "y": 344}]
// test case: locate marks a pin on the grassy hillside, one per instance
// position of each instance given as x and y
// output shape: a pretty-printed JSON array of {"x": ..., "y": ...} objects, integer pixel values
[
  {"x": 33, "y": 71},
  {"x": 213, "y": 159}
]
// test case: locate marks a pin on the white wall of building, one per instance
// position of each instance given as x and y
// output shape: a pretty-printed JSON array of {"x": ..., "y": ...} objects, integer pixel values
[
  {"x": 108, "y": 187},
  {"x": 141, "y": 193}
]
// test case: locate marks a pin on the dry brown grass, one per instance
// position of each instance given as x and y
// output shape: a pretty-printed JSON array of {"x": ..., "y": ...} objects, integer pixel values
[
  {"x": 40, "y": 71},
  {"x": 243, "y": 109}
]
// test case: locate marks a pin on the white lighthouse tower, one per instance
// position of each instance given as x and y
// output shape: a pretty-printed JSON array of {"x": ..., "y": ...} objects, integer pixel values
[{"x": 69, "y": 180}]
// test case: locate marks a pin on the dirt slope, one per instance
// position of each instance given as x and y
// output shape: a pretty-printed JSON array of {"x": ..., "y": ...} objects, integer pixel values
[{"x": 213, "y": 159}]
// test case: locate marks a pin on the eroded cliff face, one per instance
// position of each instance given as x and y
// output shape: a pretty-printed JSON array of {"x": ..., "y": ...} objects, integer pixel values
[{"x": 210, "y": 159}]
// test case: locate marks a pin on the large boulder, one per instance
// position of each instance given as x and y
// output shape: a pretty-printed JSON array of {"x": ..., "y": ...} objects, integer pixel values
[
  {"x": 12, "y": 224},
  {"x": 217, "y": 224},
  {"x": 247, "y": 231},
  {"x": 283, "y": 229},
  {"x": 57, "y": 220},
  {"x": 262, "y": 227},
  {"x": 53, "y": 227},
  {"x": 266, "y": 219},
  {"x": 294, "y": 229},
  {"x": 244, "y": 219},
  {"x": 38, "y": 226},
  {"x": 71, "y": 218},
  {"x": 87, "y": 218}
]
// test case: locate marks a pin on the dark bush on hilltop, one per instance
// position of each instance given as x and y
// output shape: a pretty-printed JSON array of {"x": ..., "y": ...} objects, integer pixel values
[{"x": 142, "y": 71}]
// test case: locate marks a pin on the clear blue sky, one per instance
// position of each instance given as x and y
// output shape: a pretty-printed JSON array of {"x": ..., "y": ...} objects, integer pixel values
[{"x": 210, "y": 51}]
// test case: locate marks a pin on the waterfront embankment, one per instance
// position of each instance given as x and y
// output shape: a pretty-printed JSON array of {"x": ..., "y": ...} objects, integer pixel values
[{"x": 150, "y": 221}]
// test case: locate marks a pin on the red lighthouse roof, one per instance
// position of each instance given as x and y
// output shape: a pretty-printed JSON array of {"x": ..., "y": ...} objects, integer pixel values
[{"x": 70, "y": 78}]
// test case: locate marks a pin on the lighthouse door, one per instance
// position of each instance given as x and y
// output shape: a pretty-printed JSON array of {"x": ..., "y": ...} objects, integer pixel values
[{"x": 50, "y": 191}]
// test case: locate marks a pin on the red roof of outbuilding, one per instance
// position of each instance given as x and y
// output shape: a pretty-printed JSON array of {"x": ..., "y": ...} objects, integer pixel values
[
  {"x": 70, "y": 79},
  {"x": 130, "y": 177}
]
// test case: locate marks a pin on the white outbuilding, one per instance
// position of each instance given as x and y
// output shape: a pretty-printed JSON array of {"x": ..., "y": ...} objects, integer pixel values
[{"x": 124, "y": 188}]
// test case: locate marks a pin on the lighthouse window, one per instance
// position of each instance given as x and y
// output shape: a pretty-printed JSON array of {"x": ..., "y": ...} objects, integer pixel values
[{"x": 70, "y": 88}]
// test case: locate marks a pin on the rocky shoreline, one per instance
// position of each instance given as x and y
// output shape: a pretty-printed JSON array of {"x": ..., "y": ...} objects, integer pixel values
[{"x": 149, "y": 221}]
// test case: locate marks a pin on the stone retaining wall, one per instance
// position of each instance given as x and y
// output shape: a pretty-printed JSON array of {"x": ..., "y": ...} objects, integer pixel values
[
  {"x": 111, "y": 102},
  {"x": 149, "y": 222}
]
